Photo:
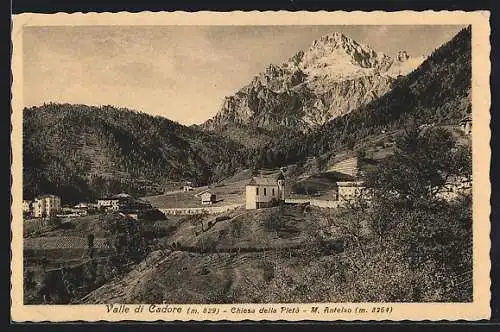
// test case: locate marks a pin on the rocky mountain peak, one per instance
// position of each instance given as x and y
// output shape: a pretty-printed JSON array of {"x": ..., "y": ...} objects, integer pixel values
[
  {"x": 332, "y": 77},
  {"x": 404, "y": 64},
  {"x": 402, "y": 56},
  {"x": 335, "y": 38},
  {"x": 339, "y": 41},
  {"x": 338, "y": 57}
]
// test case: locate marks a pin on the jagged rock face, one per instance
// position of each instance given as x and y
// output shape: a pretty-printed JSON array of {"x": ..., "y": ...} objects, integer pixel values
[
  {"x": 404, "y": 64},
  {"x": 338, "y": 58},
  {"x": 402, "y": 56},
  {"x": 334, "y": 76}
]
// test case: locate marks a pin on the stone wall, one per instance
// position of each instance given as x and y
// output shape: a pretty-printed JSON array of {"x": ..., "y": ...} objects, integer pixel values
[
  {"x": 316, "y": 202},
  {"x": 199, "y": 210}
]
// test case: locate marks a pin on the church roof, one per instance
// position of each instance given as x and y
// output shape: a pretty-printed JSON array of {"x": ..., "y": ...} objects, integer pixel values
[
  {"x": 266, "y": 180},
  {"x": 350, "y": 183}
]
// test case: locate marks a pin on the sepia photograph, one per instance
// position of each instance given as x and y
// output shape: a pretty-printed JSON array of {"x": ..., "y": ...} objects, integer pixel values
[{"x": 256, "y": 166}]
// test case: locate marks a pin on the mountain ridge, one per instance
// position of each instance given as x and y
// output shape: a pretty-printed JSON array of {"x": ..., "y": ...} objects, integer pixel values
[
  {"x": 437, "y": 92},
  {"x": 89, "y": 151}
]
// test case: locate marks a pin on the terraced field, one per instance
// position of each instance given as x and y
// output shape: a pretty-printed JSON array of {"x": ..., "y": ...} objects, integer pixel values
[{"x": 63, "y": 242}]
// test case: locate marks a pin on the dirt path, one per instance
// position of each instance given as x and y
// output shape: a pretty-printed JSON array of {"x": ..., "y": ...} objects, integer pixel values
[{"x": 235, "y": 280}]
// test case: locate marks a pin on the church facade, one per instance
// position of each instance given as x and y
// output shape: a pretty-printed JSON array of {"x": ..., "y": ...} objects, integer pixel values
[{"x": 265, "y": 191}]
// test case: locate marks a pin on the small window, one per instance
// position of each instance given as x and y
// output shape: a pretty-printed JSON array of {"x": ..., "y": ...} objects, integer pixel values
[
  {"x": 273, "y": 191},
  {"x": 257, "y": 191},
  {"x": 264, "y": 191}
]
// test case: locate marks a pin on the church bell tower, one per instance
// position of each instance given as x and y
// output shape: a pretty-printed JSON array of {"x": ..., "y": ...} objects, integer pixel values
[{"x": 281, "y": 186}]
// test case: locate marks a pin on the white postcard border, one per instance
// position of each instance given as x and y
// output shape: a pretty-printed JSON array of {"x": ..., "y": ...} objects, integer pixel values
[{"x": 478, "y": 309}]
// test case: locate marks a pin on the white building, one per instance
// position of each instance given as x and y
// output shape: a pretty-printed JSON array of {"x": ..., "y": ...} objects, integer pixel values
[
  {"x": 26, "y": 206},
  {"x": 349, "y": 190},
  {"x": 187, "y": 188},
  {"x": 208, "y": 198},
  {"x": 46, "y": 206},
  {"x": 82, "y": 206},
  {"x": 108, "y": 204},
  {"x": 122, "y": 195},
  {"x": 262, "y": 191}
]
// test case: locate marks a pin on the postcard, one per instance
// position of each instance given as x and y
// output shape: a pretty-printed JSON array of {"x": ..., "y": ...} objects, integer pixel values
[{"x": 323, "y": 166}]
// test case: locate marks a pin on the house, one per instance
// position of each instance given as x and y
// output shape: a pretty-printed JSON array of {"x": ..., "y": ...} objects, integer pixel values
[
  {"x": 26, "y": 206},
  {"x": 264, "y": 191},
  {"x": 349, "y": 190},
  {"x": 46, "y": 206},
  {"x": 134, "y": 216},
  {"x": 122, "y": 195},
  {"x": 108, "y": 204},
  {"x": 69, "y": 213},
  {"x": 187, "y": 188},
  {"x": 82, "y": 209},
  {"x": 466, "y": 125},
  {"x": 82, "y": 206},
  {"x": 122, "y": 202},
  {"x": 208, "y": 198}
]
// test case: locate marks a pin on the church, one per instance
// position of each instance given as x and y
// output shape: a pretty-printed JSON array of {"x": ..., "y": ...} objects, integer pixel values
[{"x": 265, "y": 191}]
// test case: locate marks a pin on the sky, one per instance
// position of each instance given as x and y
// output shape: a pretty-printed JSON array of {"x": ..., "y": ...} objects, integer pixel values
[{"x": 181, "y": 72}]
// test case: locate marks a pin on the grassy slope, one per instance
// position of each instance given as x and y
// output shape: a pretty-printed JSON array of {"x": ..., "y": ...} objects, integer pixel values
[{"x": 189, "y": 277}]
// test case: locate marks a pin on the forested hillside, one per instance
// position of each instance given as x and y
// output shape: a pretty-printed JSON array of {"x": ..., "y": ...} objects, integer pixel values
[
  {"x": 439, "y": 92},
  {"x": 81, "y": 152}
]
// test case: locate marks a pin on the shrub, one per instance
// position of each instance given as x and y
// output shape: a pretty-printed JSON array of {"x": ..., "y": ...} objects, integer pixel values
[
  {"x": 151, "y": 215},
  {"x": 268, "y": 268},
  {"x": 275, "y": 221}
]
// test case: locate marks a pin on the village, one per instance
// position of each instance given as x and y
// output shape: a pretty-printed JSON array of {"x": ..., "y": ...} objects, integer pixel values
[{"x": 264, "y": 190}]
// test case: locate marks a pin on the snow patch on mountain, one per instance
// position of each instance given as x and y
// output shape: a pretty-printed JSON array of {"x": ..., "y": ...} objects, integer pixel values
[{"x": 334, "y": 76}]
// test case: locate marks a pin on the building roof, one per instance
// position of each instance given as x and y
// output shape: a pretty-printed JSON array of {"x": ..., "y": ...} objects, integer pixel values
[
  {"x": 266, "y": 180},
  {"x": 207, "y": 193},
  {"x": 122, "y": 195},
  {"x": 81, "y": 205},
  {"x": 47, "y": 196},
  {"x": 350, "y": 184}
]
